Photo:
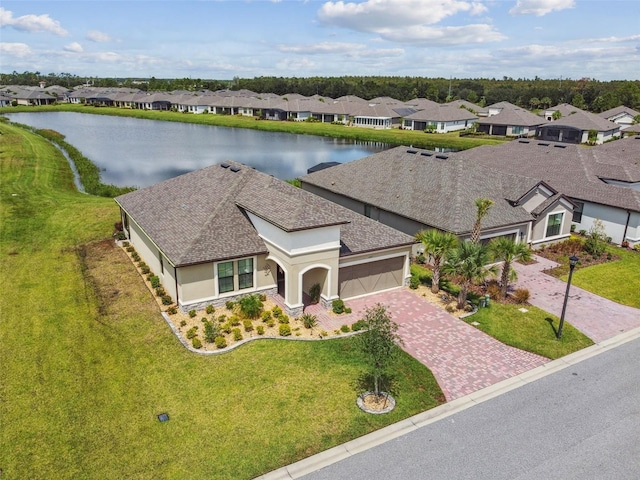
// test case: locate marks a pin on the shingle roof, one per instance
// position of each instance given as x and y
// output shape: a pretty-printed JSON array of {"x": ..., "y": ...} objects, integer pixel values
[
  {"x": 617, "y": 111},
  {"x": 432, "y": 191},
  {"x": 442, "y": 113},
  {"x": 584, "y": 121},
  {"x": 573, "y": 170},
  {"x": 200, "y": 216},
  {"x": 516, "y": 116}
]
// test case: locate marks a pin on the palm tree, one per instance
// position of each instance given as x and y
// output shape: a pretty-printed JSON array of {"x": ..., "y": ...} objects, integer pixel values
[
  {"x": 483, "y": 205},
  {"x": 468, "y": 261},
  {"x": 437, "y": 245},
  {"x": 508, "y": 251}
]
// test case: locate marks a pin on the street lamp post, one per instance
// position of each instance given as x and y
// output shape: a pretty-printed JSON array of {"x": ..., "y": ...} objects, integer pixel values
[{"x": 573, "y": 260}]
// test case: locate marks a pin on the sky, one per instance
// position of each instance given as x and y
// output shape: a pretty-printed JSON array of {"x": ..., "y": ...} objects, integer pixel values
[{"x": 217, "y": 39}]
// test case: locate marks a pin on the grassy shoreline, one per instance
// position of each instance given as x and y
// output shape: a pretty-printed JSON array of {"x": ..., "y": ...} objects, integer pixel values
[{"x": 391, "y": 137}]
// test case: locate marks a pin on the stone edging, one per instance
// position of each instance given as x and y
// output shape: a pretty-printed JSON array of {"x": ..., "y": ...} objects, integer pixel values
[{"x": 387, "y": 409}]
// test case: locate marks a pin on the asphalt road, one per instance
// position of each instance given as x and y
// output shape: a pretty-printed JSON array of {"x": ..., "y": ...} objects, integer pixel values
[{"x": 582, "y": 422}]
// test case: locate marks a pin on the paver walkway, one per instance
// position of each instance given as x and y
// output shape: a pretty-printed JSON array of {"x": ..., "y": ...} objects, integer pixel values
[
  {"x": 596, "y": 317},
  {"x": 462, "y": 358}
]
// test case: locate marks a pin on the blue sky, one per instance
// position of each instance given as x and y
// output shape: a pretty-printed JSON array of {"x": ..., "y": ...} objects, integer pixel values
[{"x": 225, "y": 39}]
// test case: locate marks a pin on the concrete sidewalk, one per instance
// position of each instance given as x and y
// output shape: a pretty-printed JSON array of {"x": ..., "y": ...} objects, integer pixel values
[{"x": 596, "y": 317}]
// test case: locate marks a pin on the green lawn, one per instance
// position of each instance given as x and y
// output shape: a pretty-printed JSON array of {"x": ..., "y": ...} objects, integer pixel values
[
  {"x": 392, "y": 136},
  {"x": 617, "y": 281},
  {"x": 88, "y": 362}
]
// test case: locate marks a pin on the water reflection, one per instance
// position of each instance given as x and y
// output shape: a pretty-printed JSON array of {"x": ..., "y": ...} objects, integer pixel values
[{"x": 132, "y": 151}]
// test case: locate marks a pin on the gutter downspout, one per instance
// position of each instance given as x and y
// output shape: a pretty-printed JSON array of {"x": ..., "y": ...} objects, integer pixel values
[
  {"x": 175, "y": 279},
  {"x": 624, "y": 235}
]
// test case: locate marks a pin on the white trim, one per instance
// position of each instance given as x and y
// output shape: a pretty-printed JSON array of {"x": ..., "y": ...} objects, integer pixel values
[
  {"x": 548, "y": 239},
  {"x": 546, "y": 224},
  {"x": 236, "y": 276},
  {"x": 310, "y": 267},
  {"x": 373, "y": 259}
]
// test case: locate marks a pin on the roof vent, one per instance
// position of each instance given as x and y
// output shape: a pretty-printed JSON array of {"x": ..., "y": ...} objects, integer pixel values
[
  {"x": 442, "y": 157},
  {"x": 543, "y": 144},
  {"x": 426, "y": 154},
  {"x": 523, "y": 141},
  {"x": 235, "y": 169},
  {"x": 224, "y": 165},
  {"x": 560, "y": 146},
  {"x": 412, "y": 151}
]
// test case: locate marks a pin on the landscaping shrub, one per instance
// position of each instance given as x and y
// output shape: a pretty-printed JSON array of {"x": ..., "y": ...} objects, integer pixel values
[
  {"x": 314, "y": 292},
  {"x": 414, "y": 282},
  {"x": 271, "y": 322},
  {"x": 204, "y": 319},
  {"x": 125, "y": 244},
  {"x": 345, "y": 328},
  {"x": 135, "y": 256},
  {"x": 237, "y": 334},
  {"x": 323, "y": 333},
  {"x": 192, "y": 332},
  {"x": 222, "y": 318},
  {"x": 260, "y": 330},
  {"x": 226, "y": 327},
  {"x": 166, "y": 300},
  {"x": 266, "y": 316},
  {"x": 420, "y": 259},
  {"x": 337, "y": 306},
  {"x": 596, "y": 242},
  {"x": 210, "y": 309},
  {"x": 248, "y": 325},
  {"x": 250, "y": 306},
  {"x": 359, "y": 325},
  {"x": 130, "y": 249},
  {"x": 155, "y": 281},
  {"x": 220, "y": 342},
  {"x": 160, "y": 292},
  {"x": 308, "y": 320},
  {"x": 234, "y": 320},
  {"x": 451, "y": 307},
  {"x": 172, "y": 310},
  {"x": 347, "y": 310},
  {"x": 230, "y": 304},
  {"x": 521, "y": 295},
  {"x": 145, "y": 269},
  {"x": 192, "y": 313},
  {"x": 284, "y": 319},
  {"x": 262, "y": 297},
  {"x": 183, "y": 323},
  {"x": 276, "y": 311},
  {"x": 493, "y": 290},
  {"x": 284, "y": 330},
  {"x": 196, "y": 342},
  {"x": 211, "y": 331}
]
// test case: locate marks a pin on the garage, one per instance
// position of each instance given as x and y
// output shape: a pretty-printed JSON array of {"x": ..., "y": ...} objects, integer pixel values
[{"x": 365, "y": 278}]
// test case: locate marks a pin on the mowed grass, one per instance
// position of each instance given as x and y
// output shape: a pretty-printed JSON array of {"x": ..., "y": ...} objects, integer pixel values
[
  {"x": 618, "y": 280},
  {"x": 88, "y": 362},
  {"x": 392, "y": 136},
  {"x": 533, "y": 330}
]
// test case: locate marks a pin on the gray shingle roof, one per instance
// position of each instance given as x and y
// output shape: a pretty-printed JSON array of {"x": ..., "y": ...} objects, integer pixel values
[
  {"x": 199, "y": 217},
  {"x": 617, "y": 111},
  {"x": 584, "y": 121},
  {"x": 429, "y": 190},
  {"x": 513, "y": 116}
]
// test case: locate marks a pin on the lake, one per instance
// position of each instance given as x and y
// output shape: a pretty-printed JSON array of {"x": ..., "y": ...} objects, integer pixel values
[{"x": 138, "y": 152}]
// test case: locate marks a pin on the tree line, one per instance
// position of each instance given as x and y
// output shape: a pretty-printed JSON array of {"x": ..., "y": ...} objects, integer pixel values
[{"x": 536, "y": 93}]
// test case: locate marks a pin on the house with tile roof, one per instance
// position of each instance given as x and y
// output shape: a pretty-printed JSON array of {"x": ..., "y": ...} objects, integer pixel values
[
  {"x": 603, "y": 181},
  {"x": 579, "y": 127},
  {"x": 227, "y": 230},
  {"x": 411, "y": 190}
]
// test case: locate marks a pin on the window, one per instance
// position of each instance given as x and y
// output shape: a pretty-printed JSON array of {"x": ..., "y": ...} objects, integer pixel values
[
  {"x": 554, "y": 224},
  {"x": 577, "y": 212},
  {"x": 225, "y": 277},
  {"x": 367, "y": 211},
  {"x": 517, "y": 130},
  {"x": 245, "y": 273}
]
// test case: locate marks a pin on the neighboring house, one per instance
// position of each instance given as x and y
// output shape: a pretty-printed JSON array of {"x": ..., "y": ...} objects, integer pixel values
[
  {"x": 31, "y": 96},
  {"x": 579, "y": 127},
  {"x": 225, "y": 231},
  {"x": 511, "y": 122},
  {"x": 562, "y": 109},
  {"x": 5, "y": 101},
  {"x": 440, "y": 118},
  {"x": 499, "y": 107},
  {"x": 411, "y": 190},
  {"x": 472, "y": 107},
  {"x": 602, "y": 181},
  {"x": 623, "y": 116}
]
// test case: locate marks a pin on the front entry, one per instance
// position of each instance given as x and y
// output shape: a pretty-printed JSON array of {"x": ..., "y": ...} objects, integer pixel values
[{"x": 280, "y": 280}]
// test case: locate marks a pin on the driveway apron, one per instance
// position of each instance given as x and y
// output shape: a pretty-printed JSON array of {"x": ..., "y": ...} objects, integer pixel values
[
  {"x": 462, "y": 358},
  {"x": 596, "y": 317}
]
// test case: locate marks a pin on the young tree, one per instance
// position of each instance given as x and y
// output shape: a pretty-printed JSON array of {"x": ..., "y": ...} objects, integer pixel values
[
  {"x": 482, "y": 205},
  {"x": 508, "y": 251},
  {"x": 437, "y": 245},
  {"x": 379, "y": 342},
  {"x": 468, "y": 261}
]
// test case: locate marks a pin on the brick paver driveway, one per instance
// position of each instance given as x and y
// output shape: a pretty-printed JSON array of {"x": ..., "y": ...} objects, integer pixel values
[
  {"x": 462, "y": 358},
  {"x": 596, "y": 317}
]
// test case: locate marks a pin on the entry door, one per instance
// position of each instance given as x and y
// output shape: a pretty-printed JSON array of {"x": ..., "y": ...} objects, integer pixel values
[{"x": 280, "y": 279}]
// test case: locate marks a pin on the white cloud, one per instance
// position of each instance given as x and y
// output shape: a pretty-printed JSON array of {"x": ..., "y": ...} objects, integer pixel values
[
  {"x": 296, "y": 64},
  {"x": 31, "y": 23},
  {"x": 98, "y": 36},
  {"x": 479, "y": 33},
  {"x": 322, "y": 48},
  {"x": 74, "y": 47},
  {"x": 18, "y": 50},
  {"x": 540, "y": 7},
  {"x": 373, "y": 15}
]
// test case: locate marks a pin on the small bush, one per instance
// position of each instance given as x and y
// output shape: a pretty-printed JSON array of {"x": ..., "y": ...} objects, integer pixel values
[
  {"x": 250, "y": 306},
  {"x": 260, "y": 330},
  {"x": 196, "y": 342},
  {"x": 314, "y": 292},
  {"x": 420, "y": 259},
  {"x": 172, "y": 310},
  {"x": 155, "y": 281},
  {"x": 276, "y": 311},
  {"x": 130, "y": 249},
  {"x": 284, "y": 330},
  {"x": 210, "y": 309},
  {"x": 222, "y": 318},
  {"x": 192, "y": 313},
  {"x": 183, "y": 323},
  {"x": 414, "y": 283},
  {"x": 166, "y": 300},
  {"x": 347, "y": 310},
  {"x": 337, "y": 306},
  {"x": 359, "y": 325},
  {"x": 237, "y": 334},
  {"x": 582, "y": 232},
  {"x": 220, "y": 342},
  {"x": 192, "y": 332},
  {"x": 493, "y": 290},
  {"x": 234, "y": 320},
  {"x": 266, "y": 316},
  {"x": 262, "y": 297},
  {"x": 226, "y": 327},
  {"x": 248, "y": 325},
  {"x": 204, "y": 319},
  {"x": 308, "y": 320},
  {"x": 125, "y": 244},
  {"x": 135, "y": 256},
  {"x": 145, "y": 269},
  {"x": 271, "y": 322},
  {"x": 211, "y": 332},
  {"x": 323, "y": 334},
  {"x": 160, "y": 292},
  {"x": 284, "y": 319},
  {"x": 521, "y": 295},
  {"x": 230, "y": 304},
  {"x": 451, "y": 307},
  {"x": 345, "y": 328}
]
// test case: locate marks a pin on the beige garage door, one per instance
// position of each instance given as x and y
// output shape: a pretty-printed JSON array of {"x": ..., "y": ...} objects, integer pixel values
[{"x": 371, "y": 277}]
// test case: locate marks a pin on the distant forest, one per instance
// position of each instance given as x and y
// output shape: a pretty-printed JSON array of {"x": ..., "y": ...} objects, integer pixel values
[{"x": 585, "y": 93}]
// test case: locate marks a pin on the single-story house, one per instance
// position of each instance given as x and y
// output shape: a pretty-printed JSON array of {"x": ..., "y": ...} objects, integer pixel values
[
  {"x": 562, "y": 109},
  {"x": 411, "y": 190},
  {"x": 227, "y": 230},
  {"x": 511, "y": 122},
  {"x": 623, "y": 116},
  {"x": 440, "y": 118},
  {"x": 603, "y": 181},
  {"x": 496, "y": 108},
  {"x": 579, "y": 127}
]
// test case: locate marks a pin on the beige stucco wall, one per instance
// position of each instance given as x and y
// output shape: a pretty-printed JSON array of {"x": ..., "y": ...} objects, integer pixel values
[
  {"x": 538, "y": 231},
  {"x": 145, "y": 248}
]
